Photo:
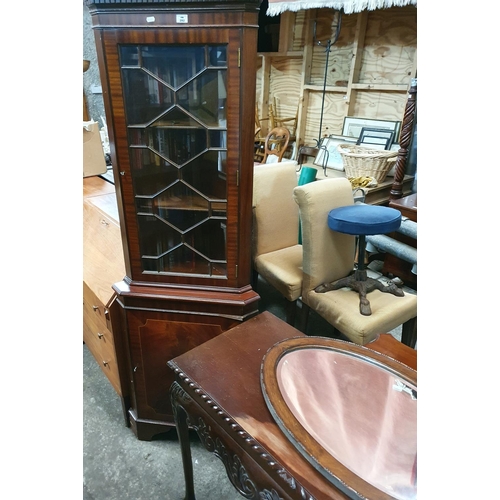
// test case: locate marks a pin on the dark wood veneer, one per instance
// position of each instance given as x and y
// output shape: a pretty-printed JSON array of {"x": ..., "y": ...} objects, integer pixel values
[
  {"x": 217, "y": 392},
  {"x": 160, "y": 315}
]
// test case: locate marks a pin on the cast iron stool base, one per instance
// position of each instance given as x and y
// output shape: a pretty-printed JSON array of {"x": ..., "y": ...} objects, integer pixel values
[{"x": 359, "y": 282}]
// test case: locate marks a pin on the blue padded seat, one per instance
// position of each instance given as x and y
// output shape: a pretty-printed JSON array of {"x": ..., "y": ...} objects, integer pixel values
[{"x": 364, "y": 219}]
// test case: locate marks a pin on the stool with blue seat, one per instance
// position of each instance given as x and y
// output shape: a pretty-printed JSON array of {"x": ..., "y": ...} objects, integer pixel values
[{"x": 361, "y": 220}]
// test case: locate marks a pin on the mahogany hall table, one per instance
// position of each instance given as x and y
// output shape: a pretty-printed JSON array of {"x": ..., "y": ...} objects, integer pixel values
[{"x": 217, "y": 392}]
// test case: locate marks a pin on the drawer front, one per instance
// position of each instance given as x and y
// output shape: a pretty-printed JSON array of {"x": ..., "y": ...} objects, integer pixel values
[
  {"x": 98, "y": 337},
  {"x": 96, "y": 311},
  {"x": 106, "y": 359}
]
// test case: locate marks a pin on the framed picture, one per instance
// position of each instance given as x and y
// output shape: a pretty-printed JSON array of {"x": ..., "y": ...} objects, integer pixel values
[
  {"x": 329, "y": 153},
  {"x": 353, "y": 125},
  {"x": 379, "y": 138}
]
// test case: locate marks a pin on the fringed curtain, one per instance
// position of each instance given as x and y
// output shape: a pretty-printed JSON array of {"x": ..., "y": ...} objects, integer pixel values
[{"x": 350, "y": 6}]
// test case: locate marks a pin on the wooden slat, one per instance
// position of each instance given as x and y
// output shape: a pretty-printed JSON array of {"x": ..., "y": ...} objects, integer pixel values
[
  {"x": 306, "y": 74},
  {"x": 287, "y": 21},
  {"x": 359, "y": 41}
]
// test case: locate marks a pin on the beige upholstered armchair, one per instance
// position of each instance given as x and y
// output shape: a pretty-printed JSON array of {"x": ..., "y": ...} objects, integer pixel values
[
  {"x": 276, "y": 253},
  {"x": 329, "y": 256}
]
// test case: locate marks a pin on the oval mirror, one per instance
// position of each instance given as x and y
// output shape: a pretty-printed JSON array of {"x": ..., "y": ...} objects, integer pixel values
[{"x": 350, "y": 411}]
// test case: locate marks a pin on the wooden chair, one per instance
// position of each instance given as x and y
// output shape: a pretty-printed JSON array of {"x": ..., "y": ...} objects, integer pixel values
[
  {"x": 329, "y": 256},
  {"x": 275, "y": 144},
  {"x": 277, "y": 120},
  {"x": 259, "y": 139}
]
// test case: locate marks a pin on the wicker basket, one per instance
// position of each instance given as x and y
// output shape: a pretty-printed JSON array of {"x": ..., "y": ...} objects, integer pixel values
[{"x": 366, "y": 162}]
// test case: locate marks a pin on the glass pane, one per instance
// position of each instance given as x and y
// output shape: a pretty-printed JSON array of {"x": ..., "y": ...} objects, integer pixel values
[
  {"x": 180, "y": 145},
  {"x": 175, "y": 104},
  {"x": 206, "y": 98},
  {"x": 149, "y": 97},
  {"x": 175, "y": 118},
  {"x": 156, "y": 237},
  {"x": 204, "y": 175},
  {"x": 217, "y": 138},
  {"x": 152, "y": 174},
  {"x": 129, "y": 55},
  {"x": 217, "y": 55},
  {"x": 175, "y": 65},
  {"x": 186, "y": 260},
  {"x": 209, "y": 239},
  {"x": 177, "y": 145},
  {"x": 183, "y": 260}
]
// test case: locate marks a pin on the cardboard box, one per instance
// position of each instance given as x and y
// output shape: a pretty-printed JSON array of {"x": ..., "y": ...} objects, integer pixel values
[{"x": 94, "y": 162}]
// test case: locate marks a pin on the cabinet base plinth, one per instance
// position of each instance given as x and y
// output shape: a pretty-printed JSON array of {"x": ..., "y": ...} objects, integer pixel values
[
  {"x": 157, "y": 324},
  {"x": 145, "y": 430}
]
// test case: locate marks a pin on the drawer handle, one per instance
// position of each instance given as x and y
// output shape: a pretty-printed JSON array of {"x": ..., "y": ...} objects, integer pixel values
[
  {"x": 104, "y": 222},
  {"x": 95, "y": 308},
  {"x": 105, "y": 363},
  {"x": 100, "y": 335},
  {"x": 106, "y": 313}
]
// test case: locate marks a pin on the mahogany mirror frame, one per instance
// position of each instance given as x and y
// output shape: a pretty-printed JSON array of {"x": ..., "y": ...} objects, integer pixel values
[{"x": 332, "y": 469}]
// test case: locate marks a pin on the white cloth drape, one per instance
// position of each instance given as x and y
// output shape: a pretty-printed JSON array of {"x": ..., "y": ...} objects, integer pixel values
[{"x": 350, "y": 6}]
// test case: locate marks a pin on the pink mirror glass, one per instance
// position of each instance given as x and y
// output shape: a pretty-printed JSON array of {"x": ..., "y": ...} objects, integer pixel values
[{"x": 358, "y": 406}]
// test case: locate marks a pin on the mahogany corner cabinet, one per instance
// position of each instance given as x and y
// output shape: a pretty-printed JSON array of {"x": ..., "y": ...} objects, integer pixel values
[{"x": 178, "y": 82}]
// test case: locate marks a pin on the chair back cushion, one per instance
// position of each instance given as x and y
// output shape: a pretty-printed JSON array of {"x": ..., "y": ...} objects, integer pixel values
[
  {"x": 327, "y": 255},
  {"x": 275, "y": 213}
]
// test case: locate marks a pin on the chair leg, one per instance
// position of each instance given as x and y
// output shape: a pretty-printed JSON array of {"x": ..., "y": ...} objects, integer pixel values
[
  {"x": 291, "y": 310},
  {"x": 255, "y": 279},
  {"x": 303, "y": 318},
  {"x": 409, "y": 333}
]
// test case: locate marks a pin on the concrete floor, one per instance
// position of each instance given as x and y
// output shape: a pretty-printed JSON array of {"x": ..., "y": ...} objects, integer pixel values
[{"x": 117, "y": 466}]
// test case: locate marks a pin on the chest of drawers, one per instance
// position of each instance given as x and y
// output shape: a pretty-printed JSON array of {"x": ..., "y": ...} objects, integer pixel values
[{"x": 103, "y": 265}]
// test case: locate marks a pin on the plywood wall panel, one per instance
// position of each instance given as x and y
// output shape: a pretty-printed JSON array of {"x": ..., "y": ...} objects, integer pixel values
[
  {"x": 339, "y": 61},
  {"x": 390, "y": 45},
  {"x": 332, "y": 116},
  {"x": 380, "y": 105},
  {"x": 369, "y": 69},
  {"x": 285, "y": 84}
]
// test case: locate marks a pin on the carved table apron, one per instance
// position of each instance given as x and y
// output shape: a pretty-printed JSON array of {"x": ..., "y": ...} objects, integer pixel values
[{"x": 217, "y": 392}]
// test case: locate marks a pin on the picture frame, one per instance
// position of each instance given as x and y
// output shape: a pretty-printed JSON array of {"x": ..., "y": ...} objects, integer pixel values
[
  {"x": 328, "y": 146},
  {"x": 378, "y": 138},
  {"x": 352, "y": 126}
]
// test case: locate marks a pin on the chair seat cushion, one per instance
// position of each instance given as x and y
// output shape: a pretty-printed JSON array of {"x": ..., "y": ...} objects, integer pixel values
[
  {"x": 341, "y": 309},
  {"x": 282, "y": 269},
  {"x": 364, "y": 219}
]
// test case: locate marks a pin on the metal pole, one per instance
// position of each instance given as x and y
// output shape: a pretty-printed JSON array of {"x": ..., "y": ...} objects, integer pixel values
[{"x": 329, "y": 44}]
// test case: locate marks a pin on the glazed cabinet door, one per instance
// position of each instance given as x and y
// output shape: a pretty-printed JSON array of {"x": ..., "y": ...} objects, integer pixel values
[{"x": 175, "y": 97}]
